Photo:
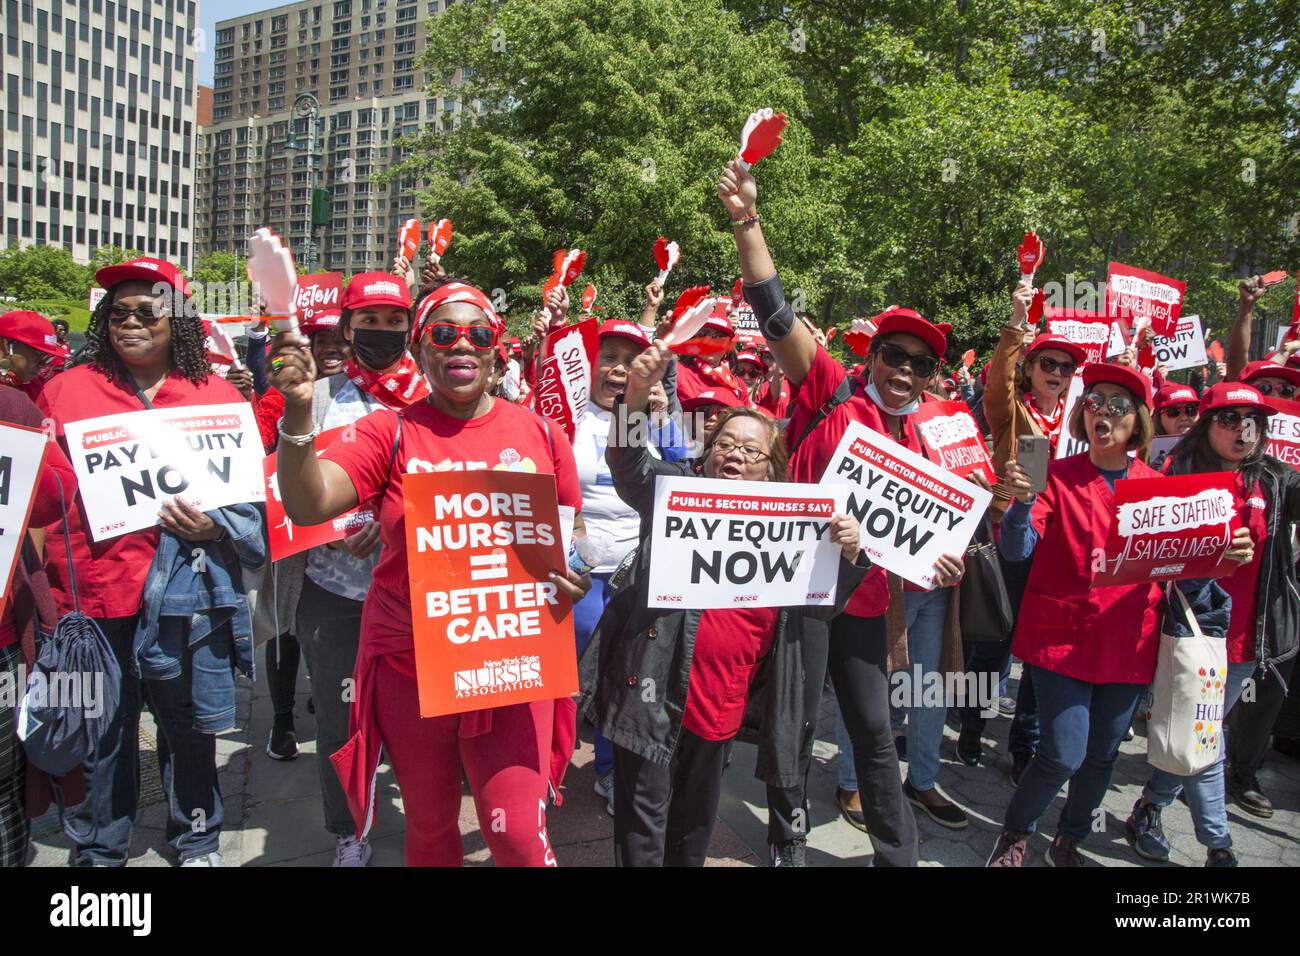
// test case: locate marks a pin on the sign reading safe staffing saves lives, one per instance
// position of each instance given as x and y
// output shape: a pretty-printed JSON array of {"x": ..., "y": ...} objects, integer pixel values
[
  {"x": 726, "y": 544},
  {"x": 21, "y": 452},
  {"x": 912, "y": 512},
  {"x": 128, "y": 464},
  {"x": 490, "y": 628}
]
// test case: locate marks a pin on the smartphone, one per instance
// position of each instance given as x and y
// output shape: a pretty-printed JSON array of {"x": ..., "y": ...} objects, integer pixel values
[{"x": 1033, "y": 452}]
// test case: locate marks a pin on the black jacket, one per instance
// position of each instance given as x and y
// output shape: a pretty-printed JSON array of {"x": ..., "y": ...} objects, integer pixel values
[{"x": 635, "y": 671}]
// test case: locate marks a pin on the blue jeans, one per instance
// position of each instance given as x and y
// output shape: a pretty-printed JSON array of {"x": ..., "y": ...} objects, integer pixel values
[
  {"x": 926, "y": 613},
  {"x": 586, "y": 615},
  {"x": 1205, "y": 789},
  {"x": 1082, "y": 727},
  {"x": 100, "y": 826}
]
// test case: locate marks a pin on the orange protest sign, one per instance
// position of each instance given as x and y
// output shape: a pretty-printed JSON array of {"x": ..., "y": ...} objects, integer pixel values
[{"x": 490, "y": 628}]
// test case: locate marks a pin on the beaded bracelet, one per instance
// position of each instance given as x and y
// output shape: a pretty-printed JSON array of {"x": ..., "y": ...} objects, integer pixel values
[{"x": 748, "y": 220}]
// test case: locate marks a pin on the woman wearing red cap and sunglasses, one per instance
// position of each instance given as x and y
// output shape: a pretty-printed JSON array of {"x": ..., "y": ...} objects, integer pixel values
[
  {"x": 504, "y": 752},
  {"x": 1091, "y": 651},
  {"x": 1232, "y": 435},
  {"x": 883, "y": 623}
]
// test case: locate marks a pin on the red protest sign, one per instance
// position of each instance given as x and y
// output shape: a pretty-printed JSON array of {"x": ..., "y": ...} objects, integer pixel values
[
  {"x": 567, "y": 356},
  {"x": 952, "y": 439},
  {"x": 1133, "y": 294},
  {"x": 1030, "y": 256},
  {"x": 287, "y": 538},
  {"x": 318, "y": 298},
  {"x": 761, "y": 135},
  {"x": 588, "y": 297},
  {"x": 439, "y": 238},
  {"x": 1215, "y": 351},
  {"x": 968, "y": 358},
  {"x": 1284, "y": 432},
  {"x": 1170, "y": 528},
  {"x": 408, "y": 239},
  {"x": 1091, "y": 330},
  {"x": 490, "y": 629}
]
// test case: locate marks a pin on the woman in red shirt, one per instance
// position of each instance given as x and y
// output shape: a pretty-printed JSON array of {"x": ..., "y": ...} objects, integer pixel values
[
  {"x": 504, "y": 752},
  {"x": 1091, "y": 650},
  {"x": 145, "y": 348}
]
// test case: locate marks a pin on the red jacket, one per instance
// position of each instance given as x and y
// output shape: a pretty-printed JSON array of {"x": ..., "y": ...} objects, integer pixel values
[{"x": 1099, "y": 635}]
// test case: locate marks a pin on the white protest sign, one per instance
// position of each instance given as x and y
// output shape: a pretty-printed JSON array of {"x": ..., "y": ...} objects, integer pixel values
[
  {"x": 912, "y": 512},
  {"x": 21, "y": 452},
  {"x": 1184, "y": 349},
  {"x": 1066, "y": 444},
  {"x": 727, "y": 544},
  {"x": 128, "y": 464}
]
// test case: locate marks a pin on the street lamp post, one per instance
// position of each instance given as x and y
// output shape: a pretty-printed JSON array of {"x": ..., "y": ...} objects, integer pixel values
[{"x": 307, "y": 107}]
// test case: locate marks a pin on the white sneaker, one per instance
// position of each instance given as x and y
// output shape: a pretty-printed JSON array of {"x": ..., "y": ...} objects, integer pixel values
[
  {"x": 349, "y": 851},
  {"x": 208, "y": 859},
  {"x": 605, "y": 787}
]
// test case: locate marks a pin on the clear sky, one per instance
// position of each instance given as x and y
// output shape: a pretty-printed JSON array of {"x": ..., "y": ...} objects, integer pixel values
[{"x": 210, "y": 11}]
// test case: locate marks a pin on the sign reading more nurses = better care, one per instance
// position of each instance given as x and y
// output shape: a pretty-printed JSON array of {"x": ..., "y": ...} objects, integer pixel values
[
  {"x": 21, "y": 452},
  {"x": 128, "y": 464},
  {"x": 490, "y": 628},
  {"x": 1170, "y": 528},
  {"x": 726, "y": 544},
  {"x": 912, "y": 511}
]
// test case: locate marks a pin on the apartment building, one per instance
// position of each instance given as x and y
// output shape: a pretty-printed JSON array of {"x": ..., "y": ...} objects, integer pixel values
[
  {"x": 98, "y": 128},
  {"x": 267, "y": 150}
]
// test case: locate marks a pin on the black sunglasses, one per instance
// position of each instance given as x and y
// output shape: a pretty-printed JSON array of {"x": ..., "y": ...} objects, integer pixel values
[
  {"x": 1231, "y": 418},
  {"x": 895, "y": 356},
  {"x": 1049, "y": 365},
  {"x": 1285, "y": 390},
  {"x": 1181, "y": 411}
]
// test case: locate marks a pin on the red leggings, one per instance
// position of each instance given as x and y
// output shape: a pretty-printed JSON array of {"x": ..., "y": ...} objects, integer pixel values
[{"x": 506, "y": 768}]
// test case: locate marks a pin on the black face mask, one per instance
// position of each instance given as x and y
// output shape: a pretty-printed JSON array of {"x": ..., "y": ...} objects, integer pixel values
[{"x": 377, "y": 349}]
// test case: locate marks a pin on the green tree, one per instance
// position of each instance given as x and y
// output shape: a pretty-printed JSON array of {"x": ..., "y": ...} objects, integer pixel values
[
  {"x": 42, "y": 272},
  {"x": 110, "y": 256}
]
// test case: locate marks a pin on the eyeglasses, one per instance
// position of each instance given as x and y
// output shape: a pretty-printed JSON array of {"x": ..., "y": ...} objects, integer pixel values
[
  {"x": 1117, "y": 406},
  {"x": 1049, "y": 366},
  {"x": 895, "y": 356},
  {"x": 725, "y": 446},
  {"x": 1181, "y": 411},
  {"x": 748, "y": 373},
  {"x": 1285, "y": 390},
  {"x": 1230, "y": 418},
  {"x": 444, "y": 335},
  {"x": 147, "y": 314}
]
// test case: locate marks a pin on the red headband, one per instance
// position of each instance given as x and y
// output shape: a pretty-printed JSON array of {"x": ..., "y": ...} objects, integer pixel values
[{"x": 453, "y": 292}]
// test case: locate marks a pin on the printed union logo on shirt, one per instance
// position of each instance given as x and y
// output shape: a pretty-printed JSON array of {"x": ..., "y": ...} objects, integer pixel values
[{"x": 490, "y": 628}]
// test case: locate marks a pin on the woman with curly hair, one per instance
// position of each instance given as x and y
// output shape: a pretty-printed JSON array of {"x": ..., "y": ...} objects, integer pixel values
[{"x": 144, "y": 350}]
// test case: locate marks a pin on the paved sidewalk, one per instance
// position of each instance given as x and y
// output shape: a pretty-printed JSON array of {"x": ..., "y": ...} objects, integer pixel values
[{"x": 273, "y": 811}]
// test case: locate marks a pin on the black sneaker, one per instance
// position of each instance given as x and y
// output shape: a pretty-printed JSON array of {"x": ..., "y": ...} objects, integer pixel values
[
  {"x": 1145, "y": 833},
  {"x": 1019, "y": 761},
  {"x": 1221, "y": 857},
  {"x": 790, "y": 852},
  {"x": 283, "y": 742},
  {"x": 969, "y": 747},
  {"x": 1246, "y": 793},
  {"x": 945, "y": 814}
]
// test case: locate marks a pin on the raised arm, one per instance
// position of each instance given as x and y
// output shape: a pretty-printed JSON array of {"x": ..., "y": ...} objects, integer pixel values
[
  {"x": 791, "y": 343},
  {"x": 1249, "y": 291}
]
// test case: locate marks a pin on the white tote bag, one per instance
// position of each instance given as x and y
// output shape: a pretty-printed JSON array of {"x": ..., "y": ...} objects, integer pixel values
[{"x": 1185, "y": 730}]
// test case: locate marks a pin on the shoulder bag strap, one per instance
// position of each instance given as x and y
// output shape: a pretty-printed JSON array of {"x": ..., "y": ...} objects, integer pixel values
[{"x": 843, "y": 392}]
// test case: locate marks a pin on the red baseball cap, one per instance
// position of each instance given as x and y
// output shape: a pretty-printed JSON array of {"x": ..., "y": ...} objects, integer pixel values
[
  {"x": 1171, "y": 393},
  {"x": 712, "y": 396},
  {"x": 1131, "y": 379},
  {"x": 909, "y": 322},
  {"x": 32, "y": 329},
  {"x": 369, "y": 289},
  {"x": 1049, "y": 340},
  {"x": 718, "y": 320},
  {"x": 144, "y": 269},
  {"x": 1267, "y": 369},
  {"x": 753, "y": 358},
  {"x": 1234, "y": 395},
  {"x": 621, "y": 329}
]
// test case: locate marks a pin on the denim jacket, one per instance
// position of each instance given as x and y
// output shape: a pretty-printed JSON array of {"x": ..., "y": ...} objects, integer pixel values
[{"x": 191, "y": 597}]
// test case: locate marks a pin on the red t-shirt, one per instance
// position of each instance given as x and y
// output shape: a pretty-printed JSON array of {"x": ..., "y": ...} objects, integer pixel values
[
  {"x": 269, "y": 409},
  {"x": 777, "y": 405},
  {"x": 1243, "y": 584},
  {"x": 810, "y": 459},
  {"x": 507, "y": 437},
  {"x": 110, "y": 573},
  {"x": 17, "y": 409},
  {"x": 728, "y": 648}
]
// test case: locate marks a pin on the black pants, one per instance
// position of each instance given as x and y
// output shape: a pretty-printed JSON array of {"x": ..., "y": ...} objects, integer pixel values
[
  {"x": 282, "y": 656},
  {"x": 857, "y": 666},
  {"x": 15, "y": 829},
  {"x": 787, "y": 810},
  {"x": 664, "y": 816},
  {"x": 1251, "y": 722}
]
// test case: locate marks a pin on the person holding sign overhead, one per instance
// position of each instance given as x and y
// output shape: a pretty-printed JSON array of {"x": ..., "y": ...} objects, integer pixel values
[
  {"x": 673, "y": 685},
  {"x": 144, "y": 350},
  {"x": 1232, "y": 435},
  {"x": 1091, "y": 650},
  {"x": 504, "y": 752},
  {"x": 882, "y": 623}
]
